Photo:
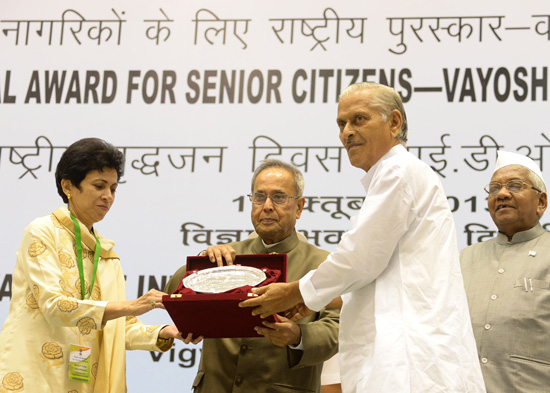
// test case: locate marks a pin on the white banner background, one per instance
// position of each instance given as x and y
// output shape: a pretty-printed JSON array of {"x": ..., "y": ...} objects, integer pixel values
[{"x": 474, "y": 75}]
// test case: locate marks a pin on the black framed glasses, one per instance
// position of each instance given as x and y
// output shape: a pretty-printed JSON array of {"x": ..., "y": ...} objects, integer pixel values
[
  {"x": 513, "y": 186},
  {"x": 279, "y": 199}
]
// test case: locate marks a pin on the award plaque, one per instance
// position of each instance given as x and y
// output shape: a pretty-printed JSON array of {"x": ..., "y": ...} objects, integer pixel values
[
  {"x": 206, "y": 302},
  {"x": 223, "y": 278}
]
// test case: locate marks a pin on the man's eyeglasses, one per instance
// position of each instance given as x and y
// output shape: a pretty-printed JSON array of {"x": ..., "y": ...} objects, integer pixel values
[
  {"x": 513, "y": 186},
  {"x": 276, "y": 199}
]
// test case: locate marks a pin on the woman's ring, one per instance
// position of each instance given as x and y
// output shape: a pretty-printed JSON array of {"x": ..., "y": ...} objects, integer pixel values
[{"x": 153, "y": 304}]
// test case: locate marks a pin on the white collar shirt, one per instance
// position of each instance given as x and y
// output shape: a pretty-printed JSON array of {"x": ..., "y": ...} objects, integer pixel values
[{"x": 404, "y": 326}]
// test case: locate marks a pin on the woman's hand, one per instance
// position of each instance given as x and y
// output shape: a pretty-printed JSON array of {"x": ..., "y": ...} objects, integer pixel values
[
  {"x": 147, "y": 302},
  {"x": 143, "y": 304},
  {"x": 171, "y": 331}
]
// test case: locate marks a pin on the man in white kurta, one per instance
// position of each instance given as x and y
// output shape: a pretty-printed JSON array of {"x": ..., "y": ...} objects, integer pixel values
[{"x": 404, "y": 326}]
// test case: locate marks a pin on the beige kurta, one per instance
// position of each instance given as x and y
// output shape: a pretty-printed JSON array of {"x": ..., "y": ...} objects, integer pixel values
[
  {"x": 47, "y": 314},
  {"x": 508, "y": 290},
  {"x": 254, "y": 365}
]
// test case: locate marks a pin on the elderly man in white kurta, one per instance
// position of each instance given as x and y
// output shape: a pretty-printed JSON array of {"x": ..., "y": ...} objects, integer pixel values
[{"x": 404, "y": 325}]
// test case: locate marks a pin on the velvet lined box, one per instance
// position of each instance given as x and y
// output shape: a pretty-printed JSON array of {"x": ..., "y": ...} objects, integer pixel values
[{"x": 217, "y": 315}]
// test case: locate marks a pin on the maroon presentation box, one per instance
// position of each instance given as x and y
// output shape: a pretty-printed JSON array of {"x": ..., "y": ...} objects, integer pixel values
[{"x": 217, "y": 315}]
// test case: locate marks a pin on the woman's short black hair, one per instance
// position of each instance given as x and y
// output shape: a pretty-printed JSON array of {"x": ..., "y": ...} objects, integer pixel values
[{"x": 86, "y": 155}]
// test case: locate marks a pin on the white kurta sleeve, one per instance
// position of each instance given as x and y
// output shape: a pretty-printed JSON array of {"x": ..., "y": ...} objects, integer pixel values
[{"x": 364, "y": 251}]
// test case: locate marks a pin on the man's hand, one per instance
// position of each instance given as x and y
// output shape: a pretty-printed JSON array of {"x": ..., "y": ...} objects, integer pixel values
[
  {"x": 281, "y": 333},
  {"x": 190, "y": 340},
  {"x": 274, "y": 298},
  {"x": 218, "y": 253},
  {"x": 298, "y": 312},
  {"x": 337, "y": 302}
]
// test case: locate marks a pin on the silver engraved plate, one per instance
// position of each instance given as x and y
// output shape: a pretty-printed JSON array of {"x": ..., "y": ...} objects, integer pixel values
[{"x": 223, "y": 278}]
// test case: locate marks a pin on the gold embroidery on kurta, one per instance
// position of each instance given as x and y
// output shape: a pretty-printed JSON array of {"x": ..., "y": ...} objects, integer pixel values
[
  {"x": 56, "y": 222},
  {"x": 36, "y": 248},
  {"x": 86, "y": 254},
  {"x": 12, "y": 382},
  {"x": 94, "y": 369},
  {"x": 130, "y": 320},
  {"x": 79, "y": 289},
  {"x": 72, "y": 391},
  {"x": 31, "y": 302},
  {"x": 67, "y": 305},
  {"x": 32, "y": 305},
  {"x": 53, "y": 354},
  {"x": 96, "y": 293},
  {"x": 66, "y": 292},
  {"x": 65, "y": 260},
  {"x": 86, "y": 325}
]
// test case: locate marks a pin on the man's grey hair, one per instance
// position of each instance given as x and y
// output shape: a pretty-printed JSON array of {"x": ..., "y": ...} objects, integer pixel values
[
  {"x": 296, "y": 174},
  {"x": 385, "y": 100},
  {"x": 535, "y": 180}
]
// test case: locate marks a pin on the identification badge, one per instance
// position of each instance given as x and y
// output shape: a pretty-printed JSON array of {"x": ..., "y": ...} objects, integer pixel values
[{"x": 80, "y": 363}]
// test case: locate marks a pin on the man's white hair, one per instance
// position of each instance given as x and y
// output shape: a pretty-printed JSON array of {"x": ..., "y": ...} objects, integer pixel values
[{"x": 385, "y": 100}]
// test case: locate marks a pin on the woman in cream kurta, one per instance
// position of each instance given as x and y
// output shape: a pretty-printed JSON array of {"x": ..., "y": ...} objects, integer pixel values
[
  {"x": 47, "y": 314},
  {"x": 52, "y": 310}
]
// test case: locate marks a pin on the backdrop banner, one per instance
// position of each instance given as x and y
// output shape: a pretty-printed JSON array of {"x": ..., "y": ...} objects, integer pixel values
[{"x": 197, "y": 93}]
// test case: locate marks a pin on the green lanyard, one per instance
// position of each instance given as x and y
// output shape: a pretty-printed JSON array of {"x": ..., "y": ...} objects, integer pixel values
[{"x": 78, "y": 237}]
